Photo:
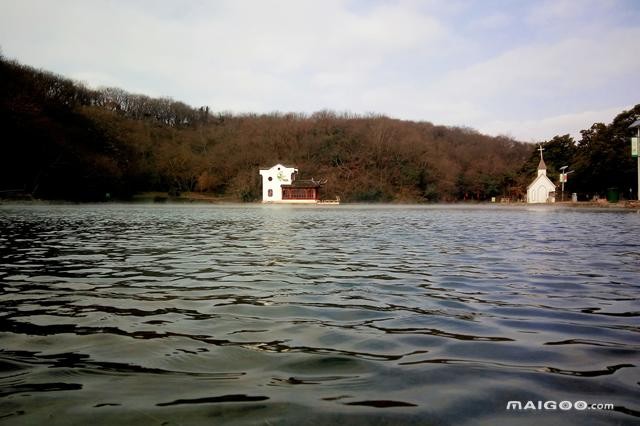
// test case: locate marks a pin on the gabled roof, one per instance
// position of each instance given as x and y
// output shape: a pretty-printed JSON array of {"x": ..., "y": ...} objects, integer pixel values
[
  {"x": 277, "y": 165},
  {"x": 302, "y": 184},
  {"x": 305, "y": 183},
  {"x": 544, "y": 177}
]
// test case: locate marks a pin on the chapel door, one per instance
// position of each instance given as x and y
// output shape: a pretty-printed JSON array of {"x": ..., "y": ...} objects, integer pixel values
[{"x": 542, "y": 195}]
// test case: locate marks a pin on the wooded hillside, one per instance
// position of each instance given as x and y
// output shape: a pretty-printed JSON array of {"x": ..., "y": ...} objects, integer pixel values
[{"x": 65, "y": 141}]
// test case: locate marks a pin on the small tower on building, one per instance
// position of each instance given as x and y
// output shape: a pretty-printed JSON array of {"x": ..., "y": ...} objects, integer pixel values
[{"x": 541, "y": 190}]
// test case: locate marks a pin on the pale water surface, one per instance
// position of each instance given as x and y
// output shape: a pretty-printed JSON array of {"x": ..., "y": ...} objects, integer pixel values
[{"x": 251, "y": 314}]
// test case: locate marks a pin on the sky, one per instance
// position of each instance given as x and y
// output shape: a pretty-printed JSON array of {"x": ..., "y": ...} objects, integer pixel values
[{"x": 525, "y": 69}]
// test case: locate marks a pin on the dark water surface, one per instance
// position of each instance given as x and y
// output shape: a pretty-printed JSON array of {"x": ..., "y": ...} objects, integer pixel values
[{"x": 317, "y": 315}]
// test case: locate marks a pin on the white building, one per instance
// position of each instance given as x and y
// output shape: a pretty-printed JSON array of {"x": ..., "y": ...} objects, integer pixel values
[
  {"x": 279, "y": 185},
  {"x": 541, "y": 190}
]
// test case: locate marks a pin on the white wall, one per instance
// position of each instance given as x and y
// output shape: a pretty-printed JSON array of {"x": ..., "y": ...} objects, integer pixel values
[
  {"x": 279, "y": 175},
  {"x": 539, "y": 191}
]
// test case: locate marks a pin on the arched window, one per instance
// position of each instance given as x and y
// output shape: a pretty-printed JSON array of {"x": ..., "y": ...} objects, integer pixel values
[{"x": 270, "y": 193}]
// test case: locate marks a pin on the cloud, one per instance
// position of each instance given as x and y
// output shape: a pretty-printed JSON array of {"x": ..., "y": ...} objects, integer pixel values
[
  {"x": 551, "y": 12},
  {"x": 253, "y": 51},
  {"x": 542, "y": 70},
  {"x": 456, "y": 63},
  {"x": 548, "y": 127},
  {"x": 530, "y": 83},
  {"x": 492, "y": 21}
]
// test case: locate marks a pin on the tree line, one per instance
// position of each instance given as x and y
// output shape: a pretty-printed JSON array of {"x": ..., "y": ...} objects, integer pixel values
[
  {"x": 66, "y": 141},
  {"x": 600, "y": 160}
]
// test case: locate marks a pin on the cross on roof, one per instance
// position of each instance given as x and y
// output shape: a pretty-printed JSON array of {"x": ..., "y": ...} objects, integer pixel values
[{"x": 541, "y": 149}]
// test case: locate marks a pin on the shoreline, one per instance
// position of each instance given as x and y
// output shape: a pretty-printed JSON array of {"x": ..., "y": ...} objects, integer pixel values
[{"x": 199, "y": 198}]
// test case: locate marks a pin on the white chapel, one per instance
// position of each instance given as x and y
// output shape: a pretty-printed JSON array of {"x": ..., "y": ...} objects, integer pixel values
[{"x": 541, "y": 190}]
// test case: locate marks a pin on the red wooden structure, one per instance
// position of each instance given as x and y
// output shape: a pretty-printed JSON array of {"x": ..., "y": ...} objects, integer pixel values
[{"x": 301, "y": 190}]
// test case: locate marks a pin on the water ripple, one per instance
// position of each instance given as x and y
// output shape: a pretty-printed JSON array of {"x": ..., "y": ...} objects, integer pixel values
[{"x": 280, "y": 314}]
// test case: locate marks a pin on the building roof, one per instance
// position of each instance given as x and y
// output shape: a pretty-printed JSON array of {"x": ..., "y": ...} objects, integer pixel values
[
  {"x": 635, "y": 124},
  {"x": 306, "y": 183},
  {"x": 544, "y": 178},
  {"x": 272, "y": 167},
  {"x": 541, "y": 165}
]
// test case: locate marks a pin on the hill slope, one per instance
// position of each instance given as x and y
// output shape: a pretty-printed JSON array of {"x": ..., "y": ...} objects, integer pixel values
[{"x": 64, "y": 141}]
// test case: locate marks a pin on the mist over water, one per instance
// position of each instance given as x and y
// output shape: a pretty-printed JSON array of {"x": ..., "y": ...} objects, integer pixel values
[{"x": 251, "y": 314}]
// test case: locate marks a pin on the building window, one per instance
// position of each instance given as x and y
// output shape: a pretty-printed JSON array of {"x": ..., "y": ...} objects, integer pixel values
[
  {"x": 270, "y": 193},
  {"x": 270, "y": 179}
]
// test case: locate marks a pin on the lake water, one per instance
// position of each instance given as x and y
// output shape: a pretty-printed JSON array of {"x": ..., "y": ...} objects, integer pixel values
[{"x": 251, "y": 314}]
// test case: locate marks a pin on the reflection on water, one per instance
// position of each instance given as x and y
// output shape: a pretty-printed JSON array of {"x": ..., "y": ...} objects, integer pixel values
[{"x": 307, "y": 315}]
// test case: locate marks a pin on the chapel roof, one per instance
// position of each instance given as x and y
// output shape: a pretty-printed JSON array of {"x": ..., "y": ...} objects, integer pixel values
[
  {"x": 543, "y": 178},
  {"x": 541, "y": 165}
]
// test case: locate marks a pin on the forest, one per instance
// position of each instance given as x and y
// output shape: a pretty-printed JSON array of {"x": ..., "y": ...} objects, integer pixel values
[{"x": 65, "y": 141}]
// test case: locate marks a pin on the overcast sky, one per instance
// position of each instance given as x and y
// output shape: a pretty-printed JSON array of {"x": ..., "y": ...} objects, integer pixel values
[{"x": 527, "y": 69}]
